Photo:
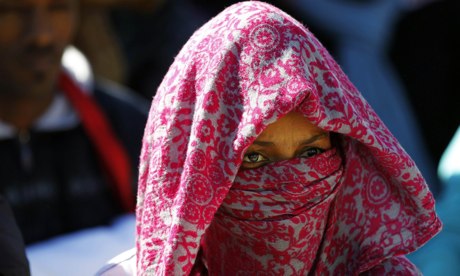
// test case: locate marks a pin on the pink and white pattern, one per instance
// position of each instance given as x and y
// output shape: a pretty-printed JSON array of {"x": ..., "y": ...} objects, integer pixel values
[{"x": 355, "y": 209}]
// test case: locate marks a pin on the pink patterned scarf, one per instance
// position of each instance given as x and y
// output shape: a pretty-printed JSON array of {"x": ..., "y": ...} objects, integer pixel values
[
  {"x": 273, "y": 217},
  {"x": 356, "y": 208}
]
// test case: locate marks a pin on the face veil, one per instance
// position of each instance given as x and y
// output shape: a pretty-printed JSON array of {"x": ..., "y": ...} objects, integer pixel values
[
  {"x": 244, "y": 69},
  {"x": 272, "y": 219}
]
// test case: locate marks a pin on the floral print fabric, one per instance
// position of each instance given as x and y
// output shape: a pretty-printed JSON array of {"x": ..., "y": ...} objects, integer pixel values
[
  {"x": 349, "y": 210},
  {"x": 272, "y": 219}
]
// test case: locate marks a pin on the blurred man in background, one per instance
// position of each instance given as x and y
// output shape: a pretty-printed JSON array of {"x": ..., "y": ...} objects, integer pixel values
[{"x": 68, "y": 143}]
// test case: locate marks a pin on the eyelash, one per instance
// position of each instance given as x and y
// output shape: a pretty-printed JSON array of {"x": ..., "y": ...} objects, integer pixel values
[
  {"x": 258, "y": 163},
  {"x": 247, "y": 159},
  {"x": 318, "y": 151}
]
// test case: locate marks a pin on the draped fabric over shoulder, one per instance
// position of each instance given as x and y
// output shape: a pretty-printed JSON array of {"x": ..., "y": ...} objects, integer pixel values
[{"x": 355, "y": 208}]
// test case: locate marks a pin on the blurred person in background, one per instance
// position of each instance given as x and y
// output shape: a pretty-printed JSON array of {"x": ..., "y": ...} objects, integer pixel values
[{"x": 69, "y": 141}]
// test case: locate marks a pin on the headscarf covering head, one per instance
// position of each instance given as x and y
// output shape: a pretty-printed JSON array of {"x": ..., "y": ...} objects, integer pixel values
[{"x": 241, "y": 71}]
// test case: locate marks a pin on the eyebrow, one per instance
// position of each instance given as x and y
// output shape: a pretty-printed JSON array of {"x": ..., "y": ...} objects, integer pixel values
[{"x": 310, "y": 140}]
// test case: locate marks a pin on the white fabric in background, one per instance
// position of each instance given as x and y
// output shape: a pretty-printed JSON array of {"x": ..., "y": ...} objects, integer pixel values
[
  {"x": 123, "y": 264},
  {"x": 84, "y": 252}
]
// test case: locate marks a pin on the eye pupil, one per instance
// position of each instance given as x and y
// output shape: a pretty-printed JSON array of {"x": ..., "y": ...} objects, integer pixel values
[{"x": 253, "y": 157}]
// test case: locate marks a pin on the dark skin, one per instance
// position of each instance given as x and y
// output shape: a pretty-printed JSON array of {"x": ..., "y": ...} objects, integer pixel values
[
  {"x": 292, "y": 136},
  {"x": 33, "y": 36}
]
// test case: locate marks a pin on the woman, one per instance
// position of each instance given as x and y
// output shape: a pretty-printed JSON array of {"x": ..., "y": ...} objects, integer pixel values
[{"x": 260, "y": 157}]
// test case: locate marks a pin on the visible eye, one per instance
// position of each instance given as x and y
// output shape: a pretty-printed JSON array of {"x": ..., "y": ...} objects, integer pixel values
[
  {"x": 254, "y": 157},
  {"x": 309, "y": 152},
  {"x": 253, "y": 160}
]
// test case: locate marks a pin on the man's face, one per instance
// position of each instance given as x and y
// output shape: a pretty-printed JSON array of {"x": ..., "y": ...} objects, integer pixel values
[{"x": 33, "y": 35}]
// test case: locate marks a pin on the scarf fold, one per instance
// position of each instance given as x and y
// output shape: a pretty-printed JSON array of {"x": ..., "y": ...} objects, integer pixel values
[
  {"x": 243, "y": 70},
  {"x": 282, "y": 189},
  {"x": 113, "y": 156}
]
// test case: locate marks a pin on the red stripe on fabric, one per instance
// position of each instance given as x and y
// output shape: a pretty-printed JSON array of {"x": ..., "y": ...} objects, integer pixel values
[{"x": 111, "y": 152}]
